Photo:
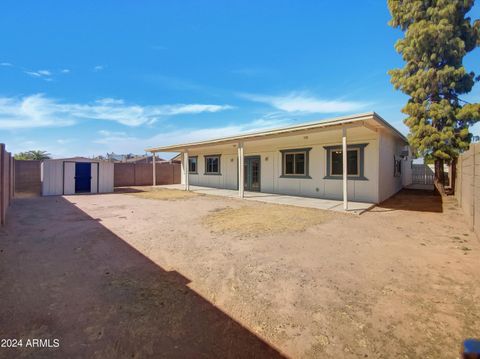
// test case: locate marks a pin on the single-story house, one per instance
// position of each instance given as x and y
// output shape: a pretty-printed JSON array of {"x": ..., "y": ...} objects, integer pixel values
[{"x": 358, "y": 158}]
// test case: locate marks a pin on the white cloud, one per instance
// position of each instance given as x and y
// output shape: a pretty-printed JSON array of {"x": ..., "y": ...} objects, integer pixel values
[
  {"x": 33, "y": 73},
  {"x": 106, "y": 133},
  {"x": 64, "y": 141},
  {"x": 31, "y": 111},
  {"x": 122, "y": 142},
  {"x": 98, "y": 68},
  {"x": 40, "y": 111},
  {"x": 108, "y": 137},
  {"x": 304, "y": 103},
  {"x": 195, "y": 108},
  {"x": 126, "y": 142},
  {"x": 45, "y": 74},
  {"x": 110, "y": 101}
]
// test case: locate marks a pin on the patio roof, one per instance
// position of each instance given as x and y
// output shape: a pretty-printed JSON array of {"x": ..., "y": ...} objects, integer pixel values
[{"x": 370, "y": 120}]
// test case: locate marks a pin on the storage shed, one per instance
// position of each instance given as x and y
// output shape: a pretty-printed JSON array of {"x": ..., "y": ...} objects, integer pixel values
[{"x": 76, "y": 175}]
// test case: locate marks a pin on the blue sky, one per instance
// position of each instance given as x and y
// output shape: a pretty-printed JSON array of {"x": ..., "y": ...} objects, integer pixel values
[{"x": 87, "y": 77}]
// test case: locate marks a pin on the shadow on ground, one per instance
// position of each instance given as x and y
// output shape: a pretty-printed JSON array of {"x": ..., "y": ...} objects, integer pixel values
[
  {"x": 412, "y": 200},
  {"x": 65, "y": 276},
  {"x": 128, "y": 190}
]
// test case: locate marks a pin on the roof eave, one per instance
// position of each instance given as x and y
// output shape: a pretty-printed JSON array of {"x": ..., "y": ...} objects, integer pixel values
[{"x": 340, "y": 121}]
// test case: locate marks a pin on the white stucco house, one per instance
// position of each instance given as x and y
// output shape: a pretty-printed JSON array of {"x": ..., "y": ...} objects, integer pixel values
[{"x": 352, "y": 158}]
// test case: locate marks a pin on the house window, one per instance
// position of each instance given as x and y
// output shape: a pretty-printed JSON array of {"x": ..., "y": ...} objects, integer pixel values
[
  {"x": 192, "y": 165},
  {"x": 355, "y": 162},
  {"x": 353, "y": 165},
  {"x": 295, "y": 163},
  {"x": 212, "y": 165}
]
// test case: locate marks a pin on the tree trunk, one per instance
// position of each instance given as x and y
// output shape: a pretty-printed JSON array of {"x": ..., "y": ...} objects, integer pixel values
[
  {"x": 439, "y": 177},
  {"x": 453, "y": 174}
]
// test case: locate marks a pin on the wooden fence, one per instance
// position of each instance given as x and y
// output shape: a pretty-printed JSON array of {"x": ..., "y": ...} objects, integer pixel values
[
  {"x": 7, "y": 179},
  {"x": 467, "y": 189},
  {"x": 141, "y": 174}
]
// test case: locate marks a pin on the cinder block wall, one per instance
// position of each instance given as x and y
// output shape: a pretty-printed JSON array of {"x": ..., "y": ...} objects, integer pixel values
[
  {"x": 27, "y": 177},
  {"x": 141, "y": 174},
  {"x": 144, "y": 174},
  {"x": 467, "y": 189},
  {"x": 123, "y": 174}
]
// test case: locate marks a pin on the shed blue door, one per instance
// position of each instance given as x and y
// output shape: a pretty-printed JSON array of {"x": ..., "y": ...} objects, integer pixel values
[{"x": 83, "y": 177}]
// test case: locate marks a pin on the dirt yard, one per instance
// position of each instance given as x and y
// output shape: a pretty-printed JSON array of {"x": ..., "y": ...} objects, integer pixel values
[{"x": 123, "y": 275}]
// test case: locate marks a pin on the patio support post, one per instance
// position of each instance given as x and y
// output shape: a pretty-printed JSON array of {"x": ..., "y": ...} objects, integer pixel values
[
  {"x": 240, "y": 170},
  {"x": 154, "y": 169},
  {"x": 345, "y": 174},
  {"x": 185, "y": 170}
]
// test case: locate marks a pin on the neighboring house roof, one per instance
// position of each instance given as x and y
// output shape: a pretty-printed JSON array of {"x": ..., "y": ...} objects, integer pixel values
[
  {"x": 176, "y": 158},
  {"x": 83, "y": 159},
  {"x": 146, "y": 159},
  {"x": 370, "y": 120},
  {"x": 114, "y": 157}
]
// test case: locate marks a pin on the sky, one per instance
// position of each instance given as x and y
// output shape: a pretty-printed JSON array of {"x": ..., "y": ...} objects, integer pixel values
[{"x": 87, "y": 77}]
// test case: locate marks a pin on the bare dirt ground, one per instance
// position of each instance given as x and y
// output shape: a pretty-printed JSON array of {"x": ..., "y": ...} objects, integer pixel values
[
  {"x": 117, "y": 275},
  {"x": 163, "y": 194},
  {"x": 265, "y": 219}
]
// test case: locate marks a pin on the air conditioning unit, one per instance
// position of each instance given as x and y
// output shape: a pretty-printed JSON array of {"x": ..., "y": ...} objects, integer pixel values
[{"x": 405, "y": 152}]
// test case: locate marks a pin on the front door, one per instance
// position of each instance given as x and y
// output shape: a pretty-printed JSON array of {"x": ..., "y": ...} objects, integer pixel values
[
  {"x": 83, "y": 177},
  {"x": 252, "y": 173}
]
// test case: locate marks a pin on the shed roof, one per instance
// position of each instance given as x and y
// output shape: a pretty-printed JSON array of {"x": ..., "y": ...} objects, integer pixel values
[
  {"x": 76, "y": 159},
  {"x": 366, "y": 119}
]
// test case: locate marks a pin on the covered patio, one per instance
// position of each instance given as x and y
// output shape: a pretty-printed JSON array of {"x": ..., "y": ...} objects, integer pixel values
[
  {"x": 308, "y": 202},
  {"x": 308, "y": 164}
]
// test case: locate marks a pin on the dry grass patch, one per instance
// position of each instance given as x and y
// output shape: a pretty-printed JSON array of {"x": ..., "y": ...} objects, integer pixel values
[
  {"x": 163, "y": 194},
  {"x": 264, "y": 218}
]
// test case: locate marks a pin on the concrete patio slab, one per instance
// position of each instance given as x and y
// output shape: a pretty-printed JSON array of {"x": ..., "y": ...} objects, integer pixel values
[{"x": 308, "y": 202}]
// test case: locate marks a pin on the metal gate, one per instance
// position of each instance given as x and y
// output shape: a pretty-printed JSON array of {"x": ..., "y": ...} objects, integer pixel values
[{"x": 422, "y": 174}]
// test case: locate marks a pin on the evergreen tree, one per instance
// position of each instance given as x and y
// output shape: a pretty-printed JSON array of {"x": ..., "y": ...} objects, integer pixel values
[{"x": 438, "y": 34}]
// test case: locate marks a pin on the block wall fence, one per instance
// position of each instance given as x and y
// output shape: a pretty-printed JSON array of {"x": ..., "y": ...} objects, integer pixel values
[{"x": 467, "y": 189}]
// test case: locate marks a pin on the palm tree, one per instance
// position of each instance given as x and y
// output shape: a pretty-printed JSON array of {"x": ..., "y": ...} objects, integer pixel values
[{"x": 33, "y": 155}]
